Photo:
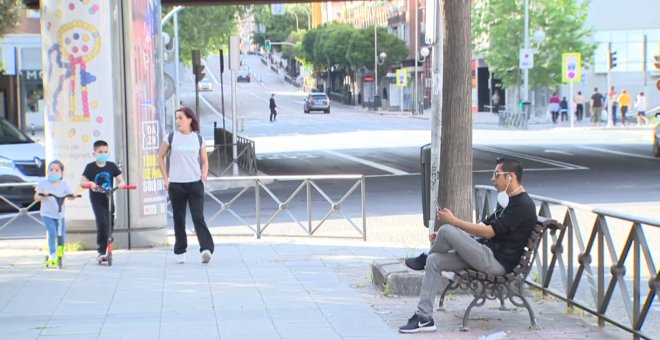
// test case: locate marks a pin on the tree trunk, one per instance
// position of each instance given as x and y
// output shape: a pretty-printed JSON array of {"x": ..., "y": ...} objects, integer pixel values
[{"x": 456, "y": 138}]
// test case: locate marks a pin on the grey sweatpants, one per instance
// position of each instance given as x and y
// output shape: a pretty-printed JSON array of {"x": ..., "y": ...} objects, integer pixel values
[{"x": 453, "y": 250}]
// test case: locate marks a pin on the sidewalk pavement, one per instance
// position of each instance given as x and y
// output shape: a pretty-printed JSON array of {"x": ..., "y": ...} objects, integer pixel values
[{"x": 273, "y": 288}]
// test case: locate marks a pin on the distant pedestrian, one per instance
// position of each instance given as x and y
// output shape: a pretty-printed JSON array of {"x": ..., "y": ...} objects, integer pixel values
[
  {"x": 624, "y": 101},
  {"x": 495, "y": 102},
  {"x": 640, "y": 106},
  {"x": 553, "y": 106},
  {"x": 597, "y": 101},
  {"x": 273, "y": 108},
  {"x": 579, "y": 106},
  {"x": 611, "y": 103},
  {"x": 563, "y": 109}
]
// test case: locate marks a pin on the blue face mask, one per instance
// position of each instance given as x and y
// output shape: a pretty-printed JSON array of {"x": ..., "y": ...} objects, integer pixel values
[
  {"x": 102, "y": 157},
  {"x": 54, "y": 177}
]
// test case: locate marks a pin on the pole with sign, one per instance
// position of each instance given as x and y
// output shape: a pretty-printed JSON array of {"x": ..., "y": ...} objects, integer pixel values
[
  {"x": 571, "y": 72},
  {"x": 401, "y": 83}
]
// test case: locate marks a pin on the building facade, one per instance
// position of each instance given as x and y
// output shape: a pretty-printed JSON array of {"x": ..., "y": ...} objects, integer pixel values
[{"x": 21, "y": 87}]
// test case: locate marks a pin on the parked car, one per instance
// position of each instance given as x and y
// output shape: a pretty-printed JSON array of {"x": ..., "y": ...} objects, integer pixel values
[
  {"x": 205, "y": 85},
  {"x": 243, "y": 75},
  {"x": 317, "y": 101},
  {"x": 656, "y": 140},
  {"x": 22, "y": 160}
]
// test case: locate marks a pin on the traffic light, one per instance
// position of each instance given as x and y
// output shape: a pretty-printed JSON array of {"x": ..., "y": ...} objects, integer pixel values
[
  {"x": 199, "y": 73},
  {"x": 198, "y": 68},
  {"x": 267, "y": 45},
  {"x": 611, "y": 57},
  {"x": 612, "y": 60}
]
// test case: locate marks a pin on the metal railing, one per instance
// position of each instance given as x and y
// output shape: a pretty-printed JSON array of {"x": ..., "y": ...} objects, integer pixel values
[
  {"x": 511, "y": 119},
  {"x": 602, "y": 261},
  {"x": 221, "y": 160},
  {"x": 20, "y": 210},
  {"x": 318, "y": 206}
]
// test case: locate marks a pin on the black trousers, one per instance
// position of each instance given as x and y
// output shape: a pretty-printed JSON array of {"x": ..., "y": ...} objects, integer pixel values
[
  {"x": 101, "y": 213},
  {"x": 579, "y": 112},
  {"x": 192, "y": 194},
  {"x": 273, "y": 114}
]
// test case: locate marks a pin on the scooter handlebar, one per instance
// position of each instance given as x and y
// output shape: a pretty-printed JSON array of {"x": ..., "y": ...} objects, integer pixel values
[
  {"x": 96, "y": 187},
  {"x": 65, "y": 196}
]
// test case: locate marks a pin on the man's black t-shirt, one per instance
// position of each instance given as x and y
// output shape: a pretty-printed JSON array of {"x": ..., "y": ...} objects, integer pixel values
[
  {"x": 598, "y": 99},
  {"x": 512, "y": 226},
  {"x": 103, "y": 177}
]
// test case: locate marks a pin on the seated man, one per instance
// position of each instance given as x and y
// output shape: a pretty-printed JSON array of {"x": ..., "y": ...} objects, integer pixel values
[{"x": 502, "y": 238}]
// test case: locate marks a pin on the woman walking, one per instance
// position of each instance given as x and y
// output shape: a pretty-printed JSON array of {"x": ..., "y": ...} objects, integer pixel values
[{"x": 184, "y": 182}]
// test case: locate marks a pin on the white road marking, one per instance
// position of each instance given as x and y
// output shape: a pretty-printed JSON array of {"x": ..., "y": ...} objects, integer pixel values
[
  {"x": 474, "y": 171},
  {"x": 531, "y": 158},
  {"x": 559, "y": 152},
  {"x": 592, "y": 148},
  {"x": 367, "y": 163}
]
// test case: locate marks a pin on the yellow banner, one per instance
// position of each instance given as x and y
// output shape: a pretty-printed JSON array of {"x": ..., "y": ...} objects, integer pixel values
[{"x": 401, "y": 77}]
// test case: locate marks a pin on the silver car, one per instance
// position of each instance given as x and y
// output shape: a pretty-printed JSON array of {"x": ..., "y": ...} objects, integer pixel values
[
  {"x": 205, "y": 85},
  {"x": 317, "y": 101},
  {"x": 656, "y": 140}
]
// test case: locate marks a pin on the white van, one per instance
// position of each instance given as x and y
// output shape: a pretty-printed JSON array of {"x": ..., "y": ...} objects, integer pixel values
[{"x": 21, "y": 160}]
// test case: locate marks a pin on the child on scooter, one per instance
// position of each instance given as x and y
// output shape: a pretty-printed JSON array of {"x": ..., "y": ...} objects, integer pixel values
[
  {"x": 53, "y": 184},
  {"x": 101, "y": 174}
]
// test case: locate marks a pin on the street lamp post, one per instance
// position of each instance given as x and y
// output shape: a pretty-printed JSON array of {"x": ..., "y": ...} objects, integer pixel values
[
  {"x": 525, "y": 94},
  {"x": 375, "y": 67},
  {"x": 174, "y": 14},
  {"x": 424, "y": 52},
  {"x": 379, "y": 59},
  {"x": 539, "y": 37},
  {"x": 309, "y": 18},
  {"x": 296, "y": 15}
]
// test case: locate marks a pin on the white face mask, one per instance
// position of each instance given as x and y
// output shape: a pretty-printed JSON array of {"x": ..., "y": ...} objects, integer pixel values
[{"x": 502, "y": 196}]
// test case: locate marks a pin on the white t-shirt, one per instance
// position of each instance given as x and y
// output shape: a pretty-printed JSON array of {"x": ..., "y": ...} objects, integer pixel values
[
  {"x": 184, "y": 158},
  {"x": 49, "y": 207},
  {"x": 640, "y": 103}
]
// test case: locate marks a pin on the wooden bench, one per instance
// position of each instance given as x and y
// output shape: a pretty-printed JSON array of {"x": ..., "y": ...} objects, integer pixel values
[{"x": 508, "y": 286}]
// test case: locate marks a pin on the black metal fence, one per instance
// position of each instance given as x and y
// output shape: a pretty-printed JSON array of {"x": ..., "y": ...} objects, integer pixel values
[{"x": 595, "y": 261}]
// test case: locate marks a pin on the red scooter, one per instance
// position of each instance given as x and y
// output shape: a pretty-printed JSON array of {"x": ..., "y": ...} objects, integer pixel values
[{"x": 108, "y": 193}]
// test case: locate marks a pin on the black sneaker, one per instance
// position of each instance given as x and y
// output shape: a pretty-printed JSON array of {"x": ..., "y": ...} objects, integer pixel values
[
  {"x": 418, "y": 324},
  {"x": 417, "y": 263}
]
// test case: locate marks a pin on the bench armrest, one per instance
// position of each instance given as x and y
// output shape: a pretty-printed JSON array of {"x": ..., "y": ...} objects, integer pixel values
[{"x": 550, "y": 223}]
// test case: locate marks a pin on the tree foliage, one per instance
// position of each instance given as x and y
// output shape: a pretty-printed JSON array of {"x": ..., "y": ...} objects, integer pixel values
[
  {"x": 12, "y": 14},
  {"x": 343, "y": 45},
  {"x": 279, "y": 28},
  {"x": 498, "y": 36},
  {"x": 361, "y": 48},
  {"x": 204, "y": 28}
]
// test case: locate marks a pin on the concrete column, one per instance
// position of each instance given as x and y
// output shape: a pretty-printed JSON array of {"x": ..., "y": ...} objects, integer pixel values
[{"x": 90, "y": 94}]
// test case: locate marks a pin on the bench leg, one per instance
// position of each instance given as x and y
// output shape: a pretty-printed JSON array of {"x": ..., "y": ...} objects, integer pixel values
[
  {"x": 502, "y": 306},
  {"x": 517, "y": 292},
  {"x": 450, "y": 286},
  {"x": 478, "y": 301}
]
